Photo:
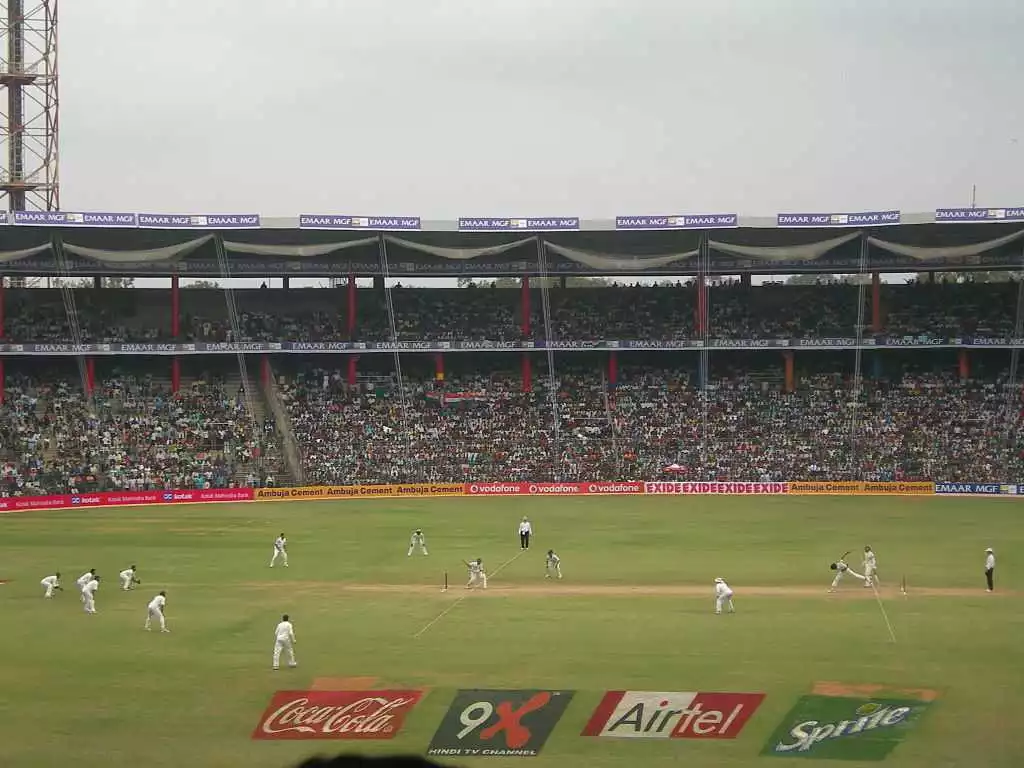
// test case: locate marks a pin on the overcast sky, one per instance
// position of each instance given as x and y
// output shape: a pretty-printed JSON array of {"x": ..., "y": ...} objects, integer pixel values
[{"x": 441, "y": 108}]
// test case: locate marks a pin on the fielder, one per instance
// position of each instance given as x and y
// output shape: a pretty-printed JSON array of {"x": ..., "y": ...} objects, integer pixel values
[
  {"x": 477, "y": 575},
  {"x": 280, "y": 551},
  {"x": 84, "y": 579},
  {"x": 870, "y": 568},
  {"x": 128, "y": 579},
  {"x": 284, "y": 640},
  {"x": 155, "y": 610},
  {"x": 51, "y": 583},
  {"x": 418, "y": 541},
  {"x": 89, "y": 594},
  {"x": 553, "y": 565},
  {"x": 723, "y": 596},
  {"x": 525, "y": 532},
  {"x": 840, "y": 567}
]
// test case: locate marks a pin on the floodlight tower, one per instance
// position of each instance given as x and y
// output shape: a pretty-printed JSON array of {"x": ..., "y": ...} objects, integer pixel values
[{"x": 29, "y": 179}]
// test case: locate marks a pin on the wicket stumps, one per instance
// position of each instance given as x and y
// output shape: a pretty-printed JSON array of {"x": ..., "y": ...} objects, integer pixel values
[{"x": 445, "y": 587}]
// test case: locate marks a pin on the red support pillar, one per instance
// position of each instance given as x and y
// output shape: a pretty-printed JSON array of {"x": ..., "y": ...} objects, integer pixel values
[
  {"x": 265, "y": 370},
  {"x": 438, "y": 367},
  {"x": 352, "y": 359},
  {"x": 524, "y": 323},
  {"x": 175, "y": 308},
  {"x": 964, "y": 365},
  {"x": 175, "y": 374},
  {"x": 2, "y": 379},
  {"x": 701, "y": 309},
  {"x": 527, "y": 373},
  {"x": 787, "y": 357},
  {"x": 613, "y": 368},
  {"x": 90, "y": 375},
  {"x": 876, "y": 303},
  {"x": 351, "y": 305}
]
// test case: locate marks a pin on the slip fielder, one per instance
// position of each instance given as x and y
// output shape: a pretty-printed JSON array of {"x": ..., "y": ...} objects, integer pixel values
[
  {"x": 89, "y": 594},
  {"x": 51, "y": 583},
  {"x": 128, "y": 579},
  {"x": 84, "y": 579}
]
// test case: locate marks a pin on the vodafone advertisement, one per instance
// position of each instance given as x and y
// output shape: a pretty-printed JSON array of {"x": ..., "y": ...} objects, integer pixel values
[
  {"x": 553, "y": 489},
  {"x": 123, "y": 498}
]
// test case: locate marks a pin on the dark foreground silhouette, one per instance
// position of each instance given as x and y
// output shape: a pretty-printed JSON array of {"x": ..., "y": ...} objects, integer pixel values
[{"x": 358, "y": 761}]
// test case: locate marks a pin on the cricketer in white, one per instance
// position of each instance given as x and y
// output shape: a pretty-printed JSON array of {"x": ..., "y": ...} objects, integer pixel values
[
  {"x": 723, "y": 596},
  {"x": 127, "y": 578},
  {"x": 284, "y": 640},
  {"x": 870, "y": 568},
  {"x": 89, "y": 594},
  {"x": 84, "y": 579},
  {"x": 418, "y": 540},
  {"x": 280, "y": 551},
  {"x": 553, "y": 564},
  {"x": 840, "y": 567},
  {"x": 51, "y": 583},
  {"x": 477, "y": 574},
  {"x": 155, "y": 610}
]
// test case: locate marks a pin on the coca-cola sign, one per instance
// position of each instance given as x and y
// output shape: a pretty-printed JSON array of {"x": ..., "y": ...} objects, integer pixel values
[{"x": 336, "y": 714}]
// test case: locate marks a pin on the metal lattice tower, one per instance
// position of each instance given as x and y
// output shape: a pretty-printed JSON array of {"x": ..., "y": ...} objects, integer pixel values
[{"x": 29, "y": 178}]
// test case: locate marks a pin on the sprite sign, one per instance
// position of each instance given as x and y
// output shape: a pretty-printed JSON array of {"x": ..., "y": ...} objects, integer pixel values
[{"x": 845, "y": 728}]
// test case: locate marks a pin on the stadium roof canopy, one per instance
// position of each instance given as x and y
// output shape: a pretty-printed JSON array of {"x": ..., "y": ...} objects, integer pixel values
[{"x": 214, "y": 245}]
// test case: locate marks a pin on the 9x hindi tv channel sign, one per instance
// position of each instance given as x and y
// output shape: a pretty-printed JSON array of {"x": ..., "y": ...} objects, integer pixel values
[{"x": 490, "y": 723}]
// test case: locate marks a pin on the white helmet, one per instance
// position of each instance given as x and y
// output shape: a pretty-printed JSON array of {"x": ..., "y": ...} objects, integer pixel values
[{"x": 719, "y": 581}]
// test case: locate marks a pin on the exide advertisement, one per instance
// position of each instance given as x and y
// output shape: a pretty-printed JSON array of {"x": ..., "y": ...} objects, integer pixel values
[
  {"x": 717, "y": 488},
  {"x": 122, "y": 498}
]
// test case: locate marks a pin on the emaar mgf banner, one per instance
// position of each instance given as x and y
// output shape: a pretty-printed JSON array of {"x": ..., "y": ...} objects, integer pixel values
[{"x": 975, "y": 489}]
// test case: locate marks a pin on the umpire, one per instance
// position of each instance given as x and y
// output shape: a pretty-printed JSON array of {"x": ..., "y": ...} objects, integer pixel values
[
  {"x": 525, "y": 530},
  {"x": 990, "y": 569}
]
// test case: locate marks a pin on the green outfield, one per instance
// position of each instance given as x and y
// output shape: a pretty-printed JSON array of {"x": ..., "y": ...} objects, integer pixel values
[{"x": 634, "y": 612}]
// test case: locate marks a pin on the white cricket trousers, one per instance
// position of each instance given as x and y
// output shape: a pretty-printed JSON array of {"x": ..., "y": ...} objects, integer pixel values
[
  {"x": 869, "y": 576},
  {"x": 279, "y": 553},
  {"x": 126, "y": 583},
  {"x": 151, "y": 615},
  {"x": 556, "y": 569},
  {"x": 724, "y": 600},
  {"x": 48, "y": 588},
  {"x": 283, "y": 645},
  {"x": 839, "y": 576},
  {"x": 90, "y": 603},
  {"x": 413, "y": 547},
  {"x": 477, "y": 579}
]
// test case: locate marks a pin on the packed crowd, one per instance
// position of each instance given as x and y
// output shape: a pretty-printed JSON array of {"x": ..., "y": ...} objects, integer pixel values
[
  {"x": 132, "y": 434},
  {"x": 621, "y": 312},
  {"x": 655, "y": 425}
]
